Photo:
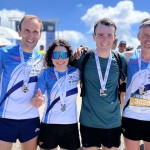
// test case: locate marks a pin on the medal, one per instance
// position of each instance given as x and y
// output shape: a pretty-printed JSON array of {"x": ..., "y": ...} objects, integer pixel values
[
  {"x": 142, "y": 90},
  {"x": 62, "y": 90},
  {"x": 63, "y": 107},
  {"x": 103, "y": 92},
  {"x": 27, "y": 70},
  {"x": 25, "y": 88},
  {"x": 103, "y": 80}
]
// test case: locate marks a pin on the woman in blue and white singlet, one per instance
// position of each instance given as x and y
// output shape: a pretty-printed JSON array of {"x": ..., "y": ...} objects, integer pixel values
[{"x": 59, "y": 83}]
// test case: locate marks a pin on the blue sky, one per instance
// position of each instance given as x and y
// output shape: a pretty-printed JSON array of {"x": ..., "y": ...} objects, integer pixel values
[{"x": 76, "y": 17}]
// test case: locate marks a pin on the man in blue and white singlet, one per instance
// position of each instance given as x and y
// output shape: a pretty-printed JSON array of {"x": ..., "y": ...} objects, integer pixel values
[
  {"x": 136, "y": 112},
  {"x": 19, "y": 70}
]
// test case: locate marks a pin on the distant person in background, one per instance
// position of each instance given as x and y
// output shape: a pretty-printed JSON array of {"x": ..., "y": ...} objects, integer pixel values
[
  {"x": 42, "y": 50},
  {"x": 114, "y": 44},
  {"x": 138, "y": 47},
  {"x": 122, "y": 49},
  {"x": 59, "y": 80},
  {"x": 122, "y": 46},
  {"x": 19, "y": 73},
  {"x": 129, "y": 48}
]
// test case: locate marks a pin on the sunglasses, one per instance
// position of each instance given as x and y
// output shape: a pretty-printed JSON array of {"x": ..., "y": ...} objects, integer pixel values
[
  {"x": 122, "y": 45},
  {"x": 57, "y": 55}
]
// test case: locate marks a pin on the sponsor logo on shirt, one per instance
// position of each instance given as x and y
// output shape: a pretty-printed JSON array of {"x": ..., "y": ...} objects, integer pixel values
[
  {"x": 134, "y": 61},
  {"x": 52, "y": 76},
  {"x": 72, "y": 79},
  {"x": 16, "y": 58}
]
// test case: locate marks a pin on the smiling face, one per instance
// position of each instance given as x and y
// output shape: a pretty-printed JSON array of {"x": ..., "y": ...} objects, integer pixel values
[
  {"x": 30, "y": 32},
  {"x": 60, "y": 63},
  {"x": 144, "y": 38},
  {"x": 104, "y": 37}
]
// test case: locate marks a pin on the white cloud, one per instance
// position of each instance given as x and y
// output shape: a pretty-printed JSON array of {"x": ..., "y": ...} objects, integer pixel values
[
  {"x": 69, "y": 35},
  {"x": 74, "y": 37},
  {"x": 123, "y": 14},
  {"x": 7, "y": 17}
]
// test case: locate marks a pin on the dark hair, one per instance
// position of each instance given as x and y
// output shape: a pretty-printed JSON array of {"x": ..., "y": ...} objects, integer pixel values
[
  {"x": 41, "y": 46},
  {"x": 115, "y": 41},
  {"x": 29, "y": 17},
  {"x": 60, "y": 42},
  {"x": 106, "y": 22},
  {"x": 144, "y": 20}
]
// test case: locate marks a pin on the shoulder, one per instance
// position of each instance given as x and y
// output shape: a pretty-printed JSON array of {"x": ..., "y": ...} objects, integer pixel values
[
  {"x": 72, "y": 69},
  {"x": 128, "y": 54},
  {"x": 119, "y": 55},
  {"x": 9, "y": 49},
  {"x": 47, "y": 71}
]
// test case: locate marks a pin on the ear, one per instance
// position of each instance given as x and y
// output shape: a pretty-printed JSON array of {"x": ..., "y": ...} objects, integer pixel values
[
  {"x": 93, "y": 36},
  {"x": 40, "y": 34},
  {"x": 19, "y": 33},
  {"x": 138, "y": 36}
]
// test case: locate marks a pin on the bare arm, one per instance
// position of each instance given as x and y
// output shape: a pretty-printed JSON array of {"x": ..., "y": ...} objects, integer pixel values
[
  {"x": 78, "y": 51},
  {"x": 128, "y": 55}
]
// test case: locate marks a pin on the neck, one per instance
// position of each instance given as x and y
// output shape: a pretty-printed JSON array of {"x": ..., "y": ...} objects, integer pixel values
[
  {"x": 103, "y": 53},
  {"x": 145, "y": 55},
  {"x": 25, "y": 49},
  {"x": 60, "y": 69}
]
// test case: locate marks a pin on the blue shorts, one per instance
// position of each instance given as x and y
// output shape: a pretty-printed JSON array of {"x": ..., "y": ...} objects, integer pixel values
[{"x": 23, "y": 130}]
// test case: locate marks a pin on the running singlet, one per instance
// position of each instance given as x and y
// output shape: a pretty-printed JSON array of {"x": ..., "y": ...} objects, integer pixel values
[
  {"x": 14, "y": 103},
  {"x": 48, "y": 83},
  {"x": 137, "y": 100}
]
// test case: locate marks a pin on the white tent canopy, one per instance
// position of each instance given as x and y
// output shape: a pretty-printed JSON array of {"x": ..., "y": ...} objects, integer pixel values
[
  {"x": 8, "y": 33},
  {"x": 4, "y": 41}
]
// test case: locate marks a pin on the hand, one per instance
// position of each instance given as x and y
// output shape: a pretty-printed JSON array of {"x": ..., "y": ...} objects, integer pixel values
[
  {"x": 79, "y": 50},
  {"x": 38, "y": 99}
]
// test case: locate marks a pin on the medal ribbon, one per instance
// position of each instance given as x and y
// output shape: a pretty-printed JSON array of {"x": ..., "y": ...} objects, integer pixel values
[
  {"x": 102, "y": 82},
  {"x": 139, "y": 62},
  {"x": 62, "y": 92},
  {"x": 28, "y": 66}
]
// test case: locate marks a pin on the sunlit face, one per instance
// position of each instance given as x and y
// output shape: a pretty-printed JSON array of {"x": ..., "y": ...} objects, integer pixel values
[
  {"x": 30, "y": 33},
  {"x": 122, "y": 48},
  {"x": 60, "y": 63},
  {"x": 104, "y": 37},
  {"x": 144, "y": 38}
]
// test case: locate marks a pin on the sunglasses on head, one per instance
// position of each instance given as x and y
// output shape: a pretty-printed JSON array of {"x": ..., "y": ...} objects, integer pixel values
[{"x": 57, "y": 55}]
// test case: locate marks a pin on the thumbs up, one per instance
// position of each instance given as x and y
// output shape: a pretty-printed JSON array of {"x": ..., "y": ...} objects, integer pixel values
[
  {"x": 38, "y": 99},
  {"x": 39, "y": 93}
]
